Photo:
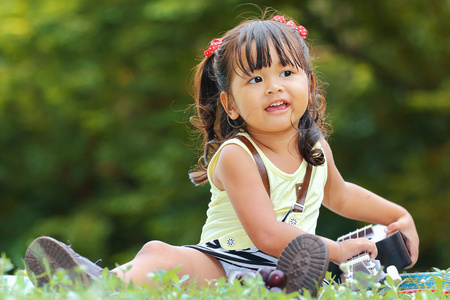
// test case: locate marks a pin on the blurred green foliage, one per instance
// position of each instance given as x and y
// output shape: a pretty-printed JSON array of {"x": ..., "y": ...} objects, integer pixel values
[{"x": 95, "y": 141}]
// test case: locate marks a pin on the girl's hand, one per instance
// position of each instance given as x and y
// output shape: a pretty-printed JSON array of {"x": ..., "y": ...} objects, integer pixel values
[
  {"x": 353, "y": 247},
  {"x": 405, "y": 224}
]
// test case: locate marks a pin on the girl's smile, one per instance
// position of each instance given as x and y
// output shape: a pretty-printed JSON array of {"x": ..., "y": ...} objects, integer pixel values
[{"x": 278, "y": 107}]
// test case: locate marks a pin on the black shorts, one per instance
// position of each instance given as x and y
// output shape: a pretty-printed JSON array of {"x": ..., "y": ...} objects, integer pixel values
[{"x": 250, "y": 259}]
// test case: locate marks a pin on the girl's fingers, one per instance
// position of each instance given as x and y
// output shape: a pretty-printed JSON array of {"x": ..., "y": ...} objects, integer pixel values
[
  {"x": 391, "y": 228},
  {"x": 373, "y": 251},
  {"x": 406, "y": 226}
]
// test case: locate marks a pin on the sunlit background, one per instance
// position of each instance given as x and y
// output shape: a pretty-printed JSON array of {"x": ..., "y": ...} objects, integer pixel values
[{"x": 95, "y": 143}]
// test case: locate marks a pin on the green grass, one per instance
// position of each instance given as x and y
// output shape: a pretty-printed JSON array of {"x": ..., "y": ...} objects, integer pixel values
[{"x": 169, "y": 286}]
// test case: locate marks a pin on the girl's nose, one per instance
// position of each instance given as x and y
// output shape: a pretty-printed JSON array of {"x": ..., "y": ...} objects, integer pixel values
[{"x": 273, "y": 87}]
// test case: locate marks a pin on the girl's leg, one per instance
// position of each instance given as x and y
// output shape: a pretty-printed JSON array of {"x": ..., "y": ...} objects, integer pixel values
[
  {"x": 153, "y": 256},
  {"x": 156, "y": 255}
]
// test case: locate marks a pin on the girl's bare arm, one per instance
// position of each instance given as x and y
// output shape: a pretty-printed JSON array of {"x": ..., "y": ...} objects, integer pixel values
[{"x": 355, "y": 202}]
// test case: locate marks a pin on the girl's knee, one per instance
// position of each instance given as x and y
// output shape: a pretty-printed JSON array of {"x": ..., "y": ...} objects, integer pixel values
[
  {"x": 158, "y": 255},
  {"x": 154, "y": 248}
]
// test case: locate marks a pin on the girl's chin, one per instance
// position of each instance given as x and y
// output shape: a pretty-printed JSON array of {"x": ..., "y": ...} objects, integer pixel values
[{"x": 290, "y": 129}]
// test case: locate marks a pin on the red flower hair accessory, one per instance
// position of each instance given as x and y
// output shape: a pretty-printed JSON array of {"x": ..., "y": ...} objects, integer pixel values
[
  {"x": 215, "y": 43},
  {"x": 302, "y": 30}
]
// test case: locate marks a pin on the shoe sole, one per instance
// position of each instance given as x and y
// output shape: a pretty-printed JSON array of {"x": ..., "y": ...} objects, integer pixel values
[
  {"x": 304, "y": 261},
  {"x": 57, "y": 257}
]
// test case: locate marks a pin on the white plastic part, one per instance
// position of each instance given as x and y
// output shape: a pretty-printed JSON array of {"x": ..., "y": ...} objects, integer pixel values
[{"x": 393, "y": 273}]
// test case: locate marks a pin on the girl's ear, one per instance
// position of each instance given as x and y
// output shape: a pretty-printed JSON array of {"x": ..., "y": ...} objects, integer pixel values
[{"x": 228, "y": 105}]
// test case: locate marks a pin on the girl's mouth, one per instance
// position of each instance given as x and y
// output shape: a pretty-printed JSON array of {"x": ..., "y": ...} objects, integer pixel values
[{"x": 277, "y": 106}]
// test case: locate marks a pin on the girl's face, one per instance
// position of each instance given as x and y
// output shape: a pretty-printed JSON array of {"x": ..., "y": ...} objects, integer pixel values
[{"x": 270, "y": 100}]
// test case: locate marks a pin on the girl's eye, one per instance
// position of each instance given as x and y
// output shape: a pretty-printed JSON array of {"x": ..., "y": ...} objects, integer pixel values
[
  {"x": 286, "y": 73},
  {"x": 255, "y": 80}
]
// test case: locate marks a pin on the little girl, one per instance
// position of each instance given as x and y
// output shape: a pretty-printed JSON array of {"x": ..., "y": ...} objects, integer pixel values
[{"x": 269, "y": 167}]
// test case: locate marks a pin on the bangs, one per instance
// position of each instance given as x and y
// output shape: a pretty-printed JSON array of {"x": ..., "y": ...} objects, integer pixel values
[{"x": 255, "y": 41}]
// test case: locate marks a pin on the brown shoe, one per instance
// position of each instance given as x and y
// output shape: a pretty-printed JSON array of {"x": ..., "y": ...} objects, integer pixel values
[
  {"x": 304, "y": 261},
  {"x": 59, "y": 256}
]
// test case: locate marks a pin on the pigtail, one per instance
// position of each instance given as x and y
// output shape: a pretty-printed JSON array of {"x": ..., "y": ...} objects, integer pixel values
[
  {"x": 211, "y": 78},
  {"x": 309, "y": 135},
  {"x": 312, "y": 126},
  {"x": 207, "y": 100}
]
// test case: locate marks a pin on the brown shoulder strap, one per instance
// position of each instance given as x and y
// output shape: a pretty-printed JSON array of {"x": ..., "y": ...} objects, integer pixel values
[
  {"x": 300, "y": 205},
  {"x": 259, "y": 163}
]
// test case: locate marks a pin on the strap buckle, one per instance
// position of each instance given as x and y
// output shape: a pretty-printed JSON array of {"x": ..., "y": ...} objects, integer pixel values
[{"x": 296, "y": 207}]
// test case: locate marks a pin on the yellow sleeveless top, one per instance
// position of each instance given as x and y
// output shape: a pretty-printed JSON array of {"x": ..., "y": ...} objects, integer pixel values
[{"x": 222, "y": 222}]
